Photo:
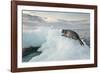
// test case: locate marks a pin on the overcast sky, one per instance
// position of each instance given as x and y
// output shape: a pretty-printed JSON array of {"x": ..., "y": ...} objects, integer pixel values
[
  {"x": 33, "y": 19},
  {"x": 53, "y": 16}
]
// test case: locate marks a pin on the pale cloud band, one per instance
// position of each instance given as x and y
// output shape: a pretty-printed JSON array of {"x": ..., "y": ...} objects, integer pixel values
[{"x": 33, "y": 19}]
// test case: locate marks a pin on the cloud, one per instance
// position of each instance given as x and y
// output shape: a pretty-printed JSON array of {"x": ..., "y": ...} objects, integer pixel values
[
  {"x": 61, "y": 21},
  {"x": 32, "y": 19}
]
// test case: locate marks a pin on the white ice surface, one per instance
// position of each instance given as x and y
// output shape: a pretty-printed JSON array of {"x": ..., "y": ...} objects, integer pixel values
[{"x": 58, "y": 48}]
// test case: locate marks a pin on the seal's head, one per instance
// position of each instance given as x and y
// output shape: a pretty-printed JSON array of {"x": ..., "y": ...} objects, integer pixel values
[{"x": 70, "y": 34}]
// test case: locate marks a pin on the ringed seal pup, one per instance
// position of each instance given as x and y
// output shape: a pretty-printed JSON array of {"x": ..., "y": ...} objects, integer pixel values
[{"x": 72, "y": 34}]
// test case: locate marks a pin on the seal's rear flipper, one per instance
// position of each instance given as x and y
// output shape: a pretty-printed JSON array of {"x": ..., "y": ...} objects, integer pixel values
[{"x": 81, "y": 43}]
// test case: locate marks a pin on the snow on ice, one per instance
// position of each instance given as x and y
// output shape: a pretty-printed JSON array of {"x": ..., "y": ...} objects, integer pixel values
[{"x": 58, "y": 48}]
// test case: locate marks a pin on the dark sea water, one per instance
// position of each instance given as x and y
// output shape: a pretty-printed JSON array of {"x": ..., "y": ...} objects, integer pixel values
[{"x": 29, "y": 56}]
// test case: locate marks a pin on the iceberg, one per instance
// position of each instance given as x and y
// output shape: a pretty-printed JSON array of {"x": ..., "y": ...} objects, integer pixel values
[{"x": 60, "y": 48}]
